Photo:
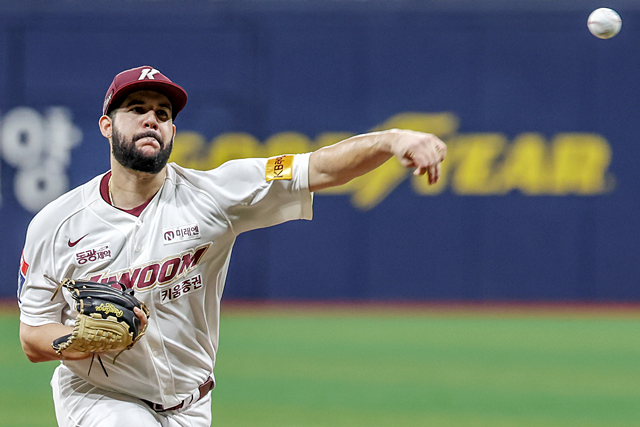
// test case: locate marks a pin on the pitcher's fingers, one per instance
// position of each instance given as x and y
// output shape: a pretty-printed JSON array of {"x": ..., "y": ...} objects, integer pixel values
[
  {"x": 434, "y": 173},
  {"x": 141, "y": 316},
  {"x": 442, "y": 151},
  {"x": 420, "y": 170}
]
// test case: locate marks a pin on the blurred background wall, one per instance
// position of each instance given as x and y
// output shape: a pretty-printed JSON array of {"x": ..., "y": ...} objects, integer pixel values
[{"x": 540, "y": 195}]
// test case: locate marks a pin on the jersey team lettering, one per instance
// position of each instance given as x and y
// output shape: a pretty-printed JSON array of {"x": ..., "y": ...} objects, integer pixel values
[
  {"x": 181, "y": 233},
  {"x": 280, "y": 167},
  {"x": 155, "y": 273},
  {"x": 181, "y": 289},
  {"x": 99, "y": 253}
]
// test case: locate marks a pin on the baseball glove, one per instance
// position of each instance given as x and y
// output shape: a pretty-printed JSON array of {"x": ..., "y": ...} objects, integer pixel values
[{"x": 105, "y": 321}]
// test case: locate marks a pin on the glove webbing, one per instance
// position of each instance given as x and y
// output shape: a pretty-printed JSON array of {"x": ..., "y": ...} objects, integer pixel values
[{"x": 68, "y": 283}]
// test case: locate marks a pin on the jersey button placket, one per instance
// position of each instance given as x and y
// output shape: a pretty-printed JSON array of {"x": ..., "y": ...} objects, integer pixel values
[{"x": 137, "y": 248}]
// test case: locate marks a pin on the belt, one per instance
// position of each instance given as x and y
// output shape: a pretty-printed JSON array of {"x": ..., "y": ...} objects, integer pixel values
[{"x": 202, "y": 391}]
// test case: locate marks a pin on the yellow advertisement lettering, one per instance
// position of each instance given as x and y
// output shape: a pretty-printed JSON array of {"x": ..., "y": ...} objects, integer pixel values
[{"x": 478, "y": 164}]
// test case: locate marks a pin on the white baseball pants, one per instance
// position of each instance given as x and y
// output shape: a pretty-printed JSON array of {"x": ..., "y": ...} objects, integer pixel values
[{"x": 80, "y": 404}]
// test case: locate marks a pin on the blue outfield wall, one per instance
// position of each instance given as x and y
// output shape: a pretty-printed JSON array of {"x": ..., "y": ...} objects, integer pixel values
[{"x": 540, "y": 195}]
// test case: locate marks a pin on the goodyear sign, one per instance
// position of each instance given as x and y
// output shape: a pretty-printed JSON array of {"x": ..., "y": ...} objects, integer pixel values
[
  {"x": 477, "y": 164},
  {"x": 539, "y": 193}
]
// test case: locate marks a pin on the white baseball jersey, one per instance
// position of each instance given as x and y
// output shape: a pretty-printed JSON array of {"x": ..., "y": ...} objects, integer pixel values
[{"x": 175, "y": 255}]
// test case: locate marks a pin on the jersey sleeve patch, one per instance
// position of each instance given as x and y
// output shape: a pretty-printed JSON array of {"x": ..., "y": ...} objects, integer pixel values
[
  {"x": 22, "y": 275},
  {"x": 280, "y": 167}
]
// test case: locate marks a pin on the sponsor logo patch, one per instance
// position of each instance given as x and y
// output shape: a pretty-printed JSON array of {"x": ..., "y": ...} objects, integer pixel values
[
  {"x": 280, "y": 167},
  {"x": 159, "y": 272},
  {"x": 99, "y": 253},
  {"x": 181, "y": 233},
  {"x": 181, "y": 289}
]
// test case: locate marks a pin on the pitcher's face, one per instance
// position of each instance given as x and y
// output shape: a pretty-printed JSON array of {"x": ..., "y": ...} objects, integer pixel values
[{"x": 143, "y": 132}]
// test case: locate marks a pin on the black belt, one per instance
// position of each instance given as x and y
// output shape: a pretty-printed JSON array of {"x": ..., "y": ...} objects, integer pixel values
[{"x": 204, "y": 389}]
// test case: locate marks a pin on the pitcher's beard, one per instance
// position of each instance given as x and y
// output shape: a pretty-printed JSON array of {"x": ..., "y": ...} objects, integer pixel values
[{"x": 129, "y": 156}]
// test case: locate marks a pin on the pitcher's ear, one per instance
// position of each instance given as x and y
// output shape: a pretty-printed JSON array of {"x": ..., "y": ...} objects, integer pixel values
[{"x": 106, "y": 126}]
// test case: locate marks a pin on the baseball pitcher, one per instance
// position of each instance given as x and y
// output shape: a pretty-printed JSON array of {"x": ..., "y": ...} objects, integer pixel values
[{"x": 121, "y": 278}]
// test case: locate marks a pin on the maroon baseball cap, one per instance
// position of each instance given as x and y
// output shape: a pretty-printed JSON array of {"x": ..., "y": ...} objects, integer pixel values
[{"x": 143, "y": 78}]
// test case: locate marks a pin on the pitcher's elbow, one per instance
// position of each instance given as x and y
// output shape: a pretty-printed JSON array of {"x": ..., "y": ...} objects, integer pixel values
[{"x": 32, "y": 355}]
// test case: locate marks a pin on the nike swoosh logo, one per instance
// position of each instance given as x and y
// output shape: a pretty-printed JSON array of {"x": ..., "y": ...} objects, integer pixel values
[{"x": 72, "y": 244}]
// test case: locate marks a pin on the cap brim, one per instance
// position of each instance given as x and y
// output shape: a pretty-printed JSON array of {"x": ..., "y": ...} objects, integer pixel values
[{"x": 176, "y": 94}]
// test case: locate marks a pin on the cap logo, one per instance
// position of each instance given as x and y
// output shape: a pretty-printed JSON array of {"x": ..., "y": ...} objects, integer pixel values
[
  {"x": 143, "y": 78},
  {"x": 148, "y": 73}
]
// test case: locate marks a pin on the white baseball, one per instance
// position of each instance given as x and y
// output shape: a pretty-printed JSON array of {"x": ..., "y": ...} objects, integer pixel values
[{"x": 604, "y": 23}]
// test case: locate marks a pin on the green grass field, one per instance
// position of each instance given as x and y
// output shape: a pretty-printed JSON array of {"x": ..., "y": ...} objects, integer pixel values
[{"x": 420, "y": 367}]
